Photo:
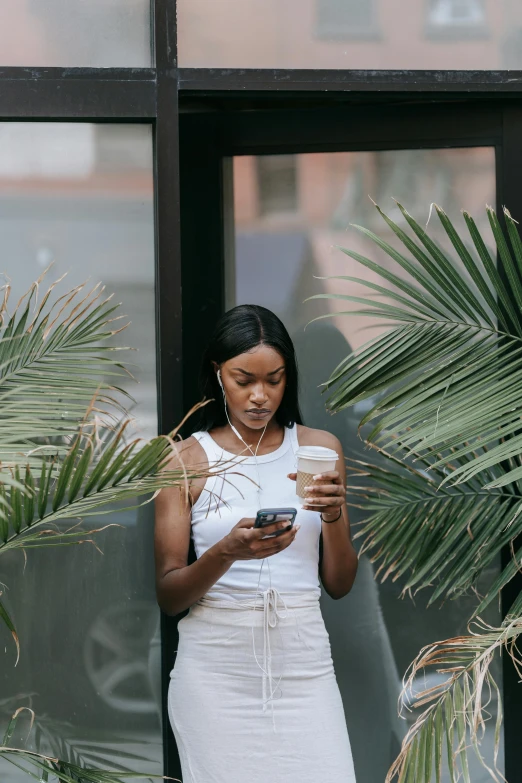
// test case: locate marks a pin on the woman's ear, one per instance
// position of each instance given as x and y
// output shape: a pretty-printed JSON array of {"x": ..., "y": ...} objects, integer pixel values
[{"x": 215, "y": 365}]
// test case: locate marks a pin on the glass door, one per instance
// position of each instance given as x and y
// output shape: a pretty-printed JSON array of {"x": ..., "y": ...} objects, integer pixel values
[{"x": 289, "y": 214}]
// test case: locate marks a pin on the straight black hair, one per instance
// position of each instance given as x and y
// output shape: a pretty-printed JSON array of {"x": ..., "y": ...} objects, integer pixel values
[{"x": 240, "y": 330}]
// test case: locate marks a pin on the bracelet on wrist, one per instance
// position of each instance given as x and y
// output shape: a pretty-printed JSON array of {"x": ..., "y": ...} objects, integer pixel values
[{"x": 337, "y": 518}]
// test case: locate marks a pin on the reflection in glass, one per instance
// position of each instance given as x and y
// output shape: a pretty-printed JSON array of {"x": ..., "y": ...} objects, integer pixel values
[
  {"x": 351, "y": 34},
  {"x": 346, "y": 18},
  {"x": 278, "y": 260},
  {"x": 445, "y": 13},
  {"x": 81, "y": 196},
  {"x": 95, "y": 33}
]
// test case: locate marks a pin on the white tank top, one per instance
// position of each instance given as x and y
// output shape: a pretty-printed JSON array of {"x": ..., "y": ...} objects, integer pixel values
[{"x": 232, "y": 495}]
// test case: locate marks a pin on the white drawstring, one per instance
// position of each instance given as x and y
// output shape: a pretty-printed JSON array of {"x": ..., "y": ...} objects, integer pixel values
[{"x": 271, "y": 615}]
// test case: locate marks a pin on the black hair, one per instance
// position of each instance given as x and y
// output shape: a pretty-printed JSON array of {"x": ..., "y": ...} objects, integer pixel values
[{"x": 238, "y": 331}]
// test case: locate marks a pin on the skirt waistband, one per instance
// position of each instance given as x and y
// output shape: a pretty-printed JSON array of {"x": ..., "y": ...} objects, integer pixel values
[{"x": 261, "y": 600}]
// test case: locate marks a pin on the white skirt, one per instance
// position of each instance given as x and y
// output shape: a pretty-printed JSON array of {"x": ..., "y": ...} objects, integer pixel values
[{"x": 253, "y": 696}]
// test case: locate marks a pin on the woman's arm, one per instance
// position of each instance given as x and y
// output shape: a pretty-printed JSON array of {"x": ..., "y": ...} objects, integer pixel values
[
  {"x": 339, "y": 561},
  {"x": 179, "y": 585}
]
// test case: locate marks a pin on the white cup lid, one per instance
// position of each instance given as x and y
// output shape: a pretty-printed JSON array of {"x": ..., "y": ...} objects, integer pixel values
[{"x": 320, "y": 453}]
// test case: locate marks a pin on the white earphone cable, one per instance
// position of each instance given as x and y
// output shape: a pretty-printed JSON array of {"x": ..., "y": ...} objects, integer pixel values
[{"x": 236, "y": 433}]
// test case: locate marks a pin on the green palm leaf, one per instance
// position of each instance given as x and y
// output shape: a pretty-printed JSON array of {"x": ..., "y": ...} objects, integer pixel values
[
  {"x": 434, "y": 539},
  {"x": 441, "y": 368},
  {"x": 10, "y": 625},
  {"x": 54, "y": 356}
]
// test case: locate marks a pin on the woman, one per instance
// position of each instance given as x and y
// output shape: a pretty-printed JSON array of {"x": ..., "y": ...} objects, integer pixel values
[{"x": 253, "y": 695}]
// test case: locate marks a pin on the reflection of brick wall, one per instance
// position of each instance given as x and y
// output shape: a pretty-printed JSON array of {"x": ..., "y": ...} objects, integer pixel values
[
  {"x": 96, "y": 160},
  {"x": 333, "y": 190},
  {"x": 275, "y": 34}
]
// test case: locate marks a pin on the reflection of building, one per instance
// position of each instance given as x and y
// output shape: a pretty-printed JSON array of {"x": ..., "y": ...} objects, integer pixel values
[
  {"x": 292, "y": 211},
  {"x": 45, "y": 32},
  {"x": 370, "y": 34},
  {"x": 81, "y": 192}
]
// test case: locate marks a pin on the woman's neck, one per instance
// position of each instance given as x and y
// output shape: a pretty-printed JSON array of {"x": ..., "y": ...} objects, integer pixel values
[{"x": 254, "y": 438}]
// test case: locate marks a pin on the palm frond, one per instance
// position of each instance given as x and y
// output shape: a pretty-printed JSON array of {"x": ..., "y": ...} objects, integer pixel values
[
  {"x": 432, "y": 538},
  {"x": 5, "y": 617},
  {"x": 54, "y": 361},
  {"x": 99, "y": 473},
  {"x": 457, "y": 709},
  {"x": 67, "y": 764},
  {"x": 449, "y": 369},
  {"x": 50, "y": 769}
]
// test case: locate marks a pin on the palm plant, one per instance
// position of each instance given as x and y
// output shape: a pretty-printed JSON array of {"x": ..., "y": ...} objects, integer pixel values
[
  {"x": 64, "y": 454},
  {"x": 443, "y": 497}
]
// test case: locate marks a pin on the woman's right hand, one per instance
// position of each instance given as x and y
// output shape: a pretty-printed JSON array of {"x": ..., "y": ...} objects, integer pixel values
[{"x": 245, "y": 542}]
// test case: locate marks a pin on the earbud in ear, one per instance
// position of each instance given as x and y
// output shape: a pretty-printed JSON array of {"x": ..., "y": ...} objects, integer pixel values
[{"x": 219, "y": 380}]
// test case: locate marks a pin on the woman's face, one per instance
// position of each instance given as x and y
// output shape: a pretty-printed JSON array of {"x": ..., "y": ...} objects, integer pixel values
[{"x": 254, "y": 383}]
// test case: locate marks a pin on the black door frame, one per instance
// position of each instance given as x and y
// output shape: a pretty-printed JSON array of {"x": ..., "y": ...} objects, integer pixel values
[{"x": 208, "y": 137}]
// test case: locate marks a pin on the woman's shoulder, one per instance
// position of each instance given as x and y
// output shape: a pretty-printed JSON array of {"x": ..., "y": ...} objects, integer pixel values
[{"x": 308, "y": 436}]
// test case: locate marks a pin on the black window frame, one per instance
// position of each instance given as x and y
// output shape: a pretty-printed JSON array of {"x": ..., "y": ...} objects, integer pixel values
[{"x": 237, "y": 111}]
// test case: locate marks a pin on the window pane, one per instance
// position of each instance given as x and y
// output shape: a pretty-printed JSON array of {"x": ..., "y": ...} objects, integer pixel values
[
  {"x": 359, "y": 34},
  {"x": 280, "y": 260},
  {"x": 81, "y": 195},
  {"x": 277, "y": 184},
  {"x": 95, "y": 33}
]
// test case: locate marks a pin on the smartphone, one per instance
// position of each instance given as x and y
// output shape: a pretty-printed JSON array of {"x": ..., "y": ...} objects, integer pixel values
[{"x": 267, "y": 516}]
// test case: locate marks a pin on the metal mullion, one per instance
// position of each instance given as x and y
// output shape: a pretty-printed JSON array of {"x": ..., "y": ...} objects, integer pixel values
[
  {"x": 320, "y": 80},
  {"x": 168, "y": 293},
  {"x": 341, "y": 128},
  {"x": 509, "y": 173},
  {"x": 77, "y": 93}
]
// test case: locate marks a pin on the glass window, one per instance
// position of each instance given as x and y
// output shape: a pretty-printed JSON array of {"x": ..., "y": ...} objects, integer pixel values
[
  {"x": 456, "y": 18},
  {"x": 81, "y": 196},
  {"x": 374, "y": 634},
  {"x": 277, "y": 182},
  {"x": 95, "y": 33},
  {"x": 346, "y": 18},
  {"x": 346, "y": 34}
]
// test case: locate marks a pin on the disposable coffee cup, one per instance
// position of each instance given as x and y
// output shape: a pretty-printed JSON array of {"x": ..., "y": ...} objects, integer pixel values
[{"x": 312, "y": 460}]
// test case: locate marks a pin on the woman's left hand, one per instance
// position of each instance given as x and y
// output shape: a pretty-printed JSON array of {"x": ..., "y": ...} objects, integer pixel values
[{"x": 326, "y": 498}]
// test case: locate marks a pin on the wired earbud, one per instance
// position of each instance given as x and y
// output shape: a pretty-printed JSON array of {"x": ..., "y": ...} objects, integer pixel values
[{"x": 236, "y": 433}]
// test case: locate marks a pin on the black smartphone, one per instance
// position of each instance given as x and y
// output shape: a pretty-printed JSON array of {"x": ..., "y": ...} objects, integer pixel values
[{"x": 267, "y": 516}]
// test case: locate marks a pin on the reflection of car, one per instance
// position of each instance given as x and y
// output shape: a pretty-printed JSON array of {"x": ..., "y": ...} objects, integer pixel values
[
  {"x": 87, "y": 620},
  {"x": 116, "y": 655}
]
